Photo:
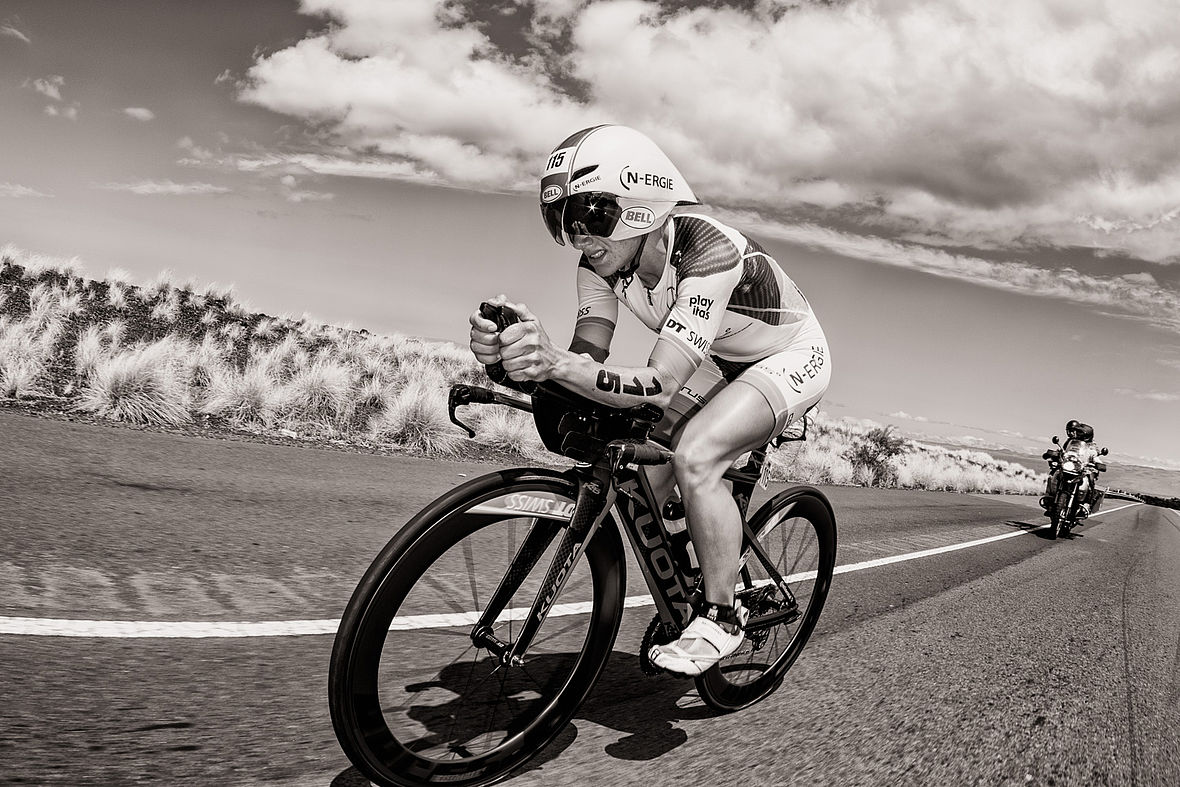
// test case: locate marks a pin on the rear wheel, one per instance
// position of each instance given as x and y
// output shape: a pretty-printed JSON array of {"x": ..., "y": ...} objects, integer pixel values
[
  {"x": 414, "y": 699},
  {"x": 796, "y": 533}
]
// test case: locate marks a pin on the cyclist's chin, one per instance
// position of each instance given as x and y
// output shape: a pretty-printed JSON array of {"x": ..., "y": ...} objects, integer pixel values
[{"x": 608, "y": 263}]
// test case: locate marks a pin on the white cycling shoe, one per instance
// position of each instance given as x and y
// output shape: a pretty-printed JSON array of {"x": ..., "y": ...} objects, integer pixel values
[{"x": 702, "y": 644}]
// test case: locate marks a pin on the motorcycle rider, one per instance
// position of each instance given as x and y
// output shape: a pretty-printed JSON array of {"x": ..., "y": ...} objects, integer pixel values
[{"x": 1079, "y": 440}]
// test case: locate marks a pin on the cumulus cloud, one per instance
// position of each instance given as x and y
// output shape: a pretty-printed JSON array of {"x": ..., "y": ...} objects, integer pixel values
[
  {"x": 290, "y": 191},
  {"x": 69, "y": 112},
  {"x": 340, "y": 163},
  {"x": 903, "y": 414},
  {"x": 139, "y": 113},
  {"x": 1002, "y": 124},
  {"x": 196, "y": 154},
  {"x": 163, "y": 187},
  {"x": 49, "y": 86},
  {"x": 1132, "y": 295},
  {"x": 17, "y": 190},
  {"x": 1150, "y": 396},
  {"x": 8, "y": 31}
]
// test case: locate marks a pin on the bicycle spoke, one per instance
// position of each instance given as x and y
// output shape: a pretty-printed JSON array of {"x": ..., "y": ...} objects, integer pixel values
[
  {"x": 779, "y": 585},
  {"x": 469, "y": 560}
]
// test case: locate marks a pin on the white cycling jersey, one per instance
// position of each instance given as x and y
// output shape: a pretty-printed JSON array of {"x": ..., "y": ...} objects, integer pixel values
[
  {"x": 720, "y": 293},
  {"x": 725, "y": 308}
]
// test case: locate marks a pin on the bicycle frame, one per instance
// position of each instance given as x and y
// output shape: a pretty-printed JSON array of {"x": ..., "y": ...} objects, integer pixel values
[{"x": 623, "y": 488}]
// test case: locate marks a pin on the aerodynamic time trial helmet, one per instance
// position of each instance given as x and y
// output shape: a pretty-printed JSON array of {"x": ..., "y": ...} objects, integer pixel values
[{"x": 609, "y": 181}]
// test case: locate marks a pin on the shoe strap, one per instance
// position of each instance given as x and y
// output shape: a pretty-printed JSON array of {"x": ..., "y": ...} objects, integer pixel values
[{"x": 732, "y": 619}]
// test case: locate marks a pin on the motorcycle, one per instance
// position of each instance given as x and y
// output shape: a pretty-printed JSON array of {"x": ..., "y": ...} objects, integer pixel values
[{"x": 1065, "y": 509}]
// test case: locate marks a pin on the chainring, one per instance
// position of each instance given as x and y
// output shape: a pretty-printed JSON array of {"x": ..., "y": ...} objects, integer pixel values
[{"x": 658, "y": 633}]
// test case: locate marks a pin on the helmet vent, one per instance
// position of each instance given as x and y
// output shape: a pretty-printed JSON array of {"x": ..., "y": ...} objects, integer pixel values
[{"x": 583, "y": 172}]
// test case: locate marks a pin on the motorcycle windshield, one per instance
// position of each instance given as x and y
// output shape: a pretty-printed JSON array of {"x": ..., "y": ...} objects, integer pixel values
[{"x": 1071, "y": 462}]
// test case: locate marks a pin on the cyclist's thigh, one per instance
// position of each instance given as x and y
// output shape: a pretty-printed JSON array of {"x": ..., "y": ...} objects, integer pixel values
[
  {"x": 792, "y": 380},
  {"x": 702, "y": 386}
]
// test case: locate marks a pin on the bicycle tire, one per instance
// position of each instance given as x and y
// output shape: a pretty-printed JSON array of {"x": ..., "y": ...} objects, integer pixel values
[
  {"x": 412, "y": 560},
  {"x": 720, "y": 686}
]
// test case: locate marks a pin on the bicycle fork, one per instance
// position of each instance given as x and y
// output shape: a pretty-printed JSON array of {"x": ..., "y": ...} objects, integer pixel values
[{"x": 590, "y": 509}]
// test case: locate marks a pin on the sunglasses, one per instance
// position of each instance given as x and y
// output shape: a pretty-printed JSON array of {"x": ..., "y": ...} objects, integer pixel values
[{"x": 590, "y": 213}]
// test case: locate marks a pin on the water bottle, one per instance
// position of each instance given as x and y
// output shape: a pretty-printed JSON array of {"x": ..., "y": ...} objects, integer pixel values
[{"x": 679, "y": 541}]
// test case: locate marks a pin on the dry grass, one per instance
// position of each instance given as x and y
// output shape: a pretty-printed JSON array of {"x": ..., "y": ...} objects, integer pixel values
[
  {"x": 61, "y": 336},
  {"x": 505, "y": 429},
  {"x": 417, "y": 419},
  {"x": 318, "y": 398},
  {"x": 248, "y": 399},
  {"x": 847, "y": 452},
  {"x": 143, "y": 385}
]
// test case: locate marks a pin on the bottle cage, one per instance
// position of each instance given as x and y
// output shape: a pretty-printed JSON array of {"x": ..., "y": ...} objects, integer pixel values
[{"x": 795, "y": 432}]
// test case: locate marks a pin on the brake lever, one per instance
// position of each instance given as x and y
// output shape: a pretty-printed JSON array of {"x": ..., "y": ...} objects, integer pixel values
[{"x": 466, "y": 394}]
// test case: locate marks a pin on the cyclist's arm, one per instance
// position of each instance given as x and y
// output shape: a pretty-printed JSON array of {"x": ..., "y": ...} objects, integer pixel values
[
  {"x": 598, "y": 313},
  {"x": 682, "y": 346}
]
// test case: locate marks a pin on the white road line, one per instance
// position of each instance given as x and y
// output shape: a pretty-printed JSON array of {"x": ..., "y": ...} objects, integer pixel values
[
  {"x": 885, "y": 561},
  {"x": 50, "y": 627}
]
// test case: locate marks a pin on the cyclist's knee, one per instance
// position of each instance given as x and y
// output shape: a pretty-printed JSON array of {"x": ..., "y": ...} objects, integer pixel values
[{"x": 697, "y": 460}]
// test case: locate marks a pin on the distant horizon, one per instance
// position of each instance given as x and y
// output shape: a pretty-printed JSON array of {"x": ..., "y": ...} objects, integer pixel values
[{"x": 902, "y": 421}]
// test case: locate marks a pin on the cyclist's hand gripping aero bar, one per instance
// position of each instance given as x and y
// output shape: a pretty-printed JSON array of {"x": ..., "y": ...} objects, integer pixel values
[{"x": 502, "y": 317}]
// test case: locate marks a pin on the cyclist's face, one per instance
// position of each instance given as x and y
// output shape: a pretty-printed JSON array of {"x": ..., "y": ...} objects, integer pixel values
[{"x": 605, "y": 255}]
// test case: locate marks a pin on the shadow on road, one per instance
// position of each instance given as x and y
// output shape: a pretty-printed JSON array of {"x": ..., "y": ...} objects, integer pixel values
[
  {"x": 644, "y": 709},
  {"x": 1039, "y": 530},
  {"x": 350, "y": 778}
]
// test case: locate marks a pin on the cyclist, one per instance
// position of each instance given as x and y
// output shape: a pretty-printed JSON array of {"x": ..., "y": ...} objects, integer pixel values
[
  {"x": 1079, "y": 438},
  {"x": 738, "y": 357}
]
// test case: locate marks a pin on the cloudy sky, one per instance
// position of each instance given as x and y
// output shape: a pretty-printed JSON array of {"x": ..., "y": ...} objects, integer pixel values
[{"x": 981, "y": 200}]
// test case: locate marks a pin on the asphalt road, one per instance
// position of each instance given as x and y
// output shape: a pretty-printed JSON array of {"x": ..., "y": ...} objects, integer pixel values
[{"x": 1021, "y": 661}]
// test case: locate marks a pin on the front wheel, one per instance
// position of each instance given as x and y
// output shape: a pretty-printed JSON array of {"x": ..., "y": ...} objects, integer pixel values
[
  {"x": 415, "y": 693},
  {"x": 796, "y": 534}
]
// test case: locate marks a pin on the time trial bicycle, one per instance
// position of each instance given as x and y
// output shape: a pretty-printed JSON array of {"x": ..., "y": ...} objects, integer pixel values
[{"x": 482, "y": 626}]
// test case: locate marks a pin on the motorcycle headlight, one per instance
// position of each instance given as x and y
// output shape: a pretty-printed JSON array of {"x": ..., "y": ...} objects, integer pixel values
[{"x": 1069, "y": 466}]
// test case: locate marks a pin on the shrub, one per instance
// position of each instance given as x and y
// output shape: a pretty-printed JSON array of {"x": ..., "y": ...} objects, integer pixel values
[
  {"x": 871, "y": 455},
  {"x": 117, "y": 296},
  {"x": 167, "y": 308},
  {"x": 250, "y": 398},
  {"x": 143, "y": 385},
  {"x": 318, "y": 396},
  {"x": 27, "y": 353},
  {"x": 372, "y": 400},
  {"x": 417, "y": 419},
  {"x": 507, "y": 429},
  {"x": 267, "y": 328},
  {"x": 820, "y": 460},
  {"x": 91, "y": 348},
  {"x": 20, "y": 376}
]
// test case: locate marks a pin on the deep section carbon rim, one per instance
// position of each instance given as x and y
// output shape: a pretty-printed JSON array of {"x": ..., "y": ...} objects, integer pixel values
[
  {"x": 415, "y": 700},
  {"x": 797, "y": 533}
]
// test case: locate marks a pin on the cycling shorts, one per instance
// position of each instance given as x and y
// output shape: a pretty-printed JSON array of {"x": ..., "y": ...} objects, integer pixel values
[{"x": 792, "y": 380}]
